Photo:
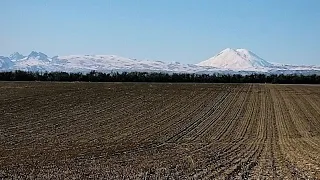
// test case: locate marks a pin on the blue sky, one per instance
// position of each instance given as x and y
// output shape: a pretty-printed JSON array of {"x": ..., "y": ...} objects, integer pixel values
[{"x": 187, "y": 31}]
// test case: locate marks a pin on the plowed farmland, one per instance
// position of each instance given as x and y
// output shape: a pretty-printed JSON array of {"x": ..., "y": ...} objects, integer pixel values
[{"x": 159, "y": 131}]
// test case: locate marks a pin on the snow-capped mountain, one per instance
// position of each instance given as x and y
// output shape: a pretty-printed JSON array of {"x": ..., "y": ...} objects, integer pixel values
[
  {"x": 237, "y": 59},
  {"x": 16, "y": 56},
  {"x": 231, "y": 61},
  {"x": 38, "y": 56}
]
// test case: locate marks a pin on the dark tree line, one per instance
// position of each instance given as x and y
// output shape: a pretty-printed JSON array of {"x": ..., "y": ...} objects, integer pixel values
[{"x": 94, "y": 76}]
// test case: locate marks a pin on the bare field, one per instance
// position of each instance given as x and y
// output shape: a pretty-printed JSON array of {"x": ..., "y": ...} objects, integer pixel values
[{"x": 159, "y": 131}]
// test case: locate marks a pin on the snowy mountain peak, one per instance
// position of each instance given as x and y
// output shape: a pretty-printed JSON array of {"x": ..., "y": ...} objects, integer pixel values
[
  {"x": 38, "y": 55},
  {"x": 243, "y": 50},
  {"x": 236, "y": 59},
  {"x": 16, "y": 56},
  {"x": 227, "y": 49}
]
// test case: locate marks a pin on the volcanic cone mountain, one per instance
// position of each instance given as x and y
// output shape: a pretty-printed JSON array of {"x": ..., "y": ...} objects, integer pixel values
[{"x": 237, "y": 59}]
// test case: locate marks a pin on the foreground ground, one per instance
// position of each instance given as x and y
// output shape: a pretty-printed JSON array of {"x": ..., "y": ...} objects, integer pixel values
[{"x": 159, "y": 131}]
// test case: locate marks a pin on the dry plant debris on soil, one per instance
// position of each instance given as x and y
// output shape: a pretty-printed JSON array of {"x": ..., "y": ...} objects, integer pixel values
[{"x": 159, "y": 131}]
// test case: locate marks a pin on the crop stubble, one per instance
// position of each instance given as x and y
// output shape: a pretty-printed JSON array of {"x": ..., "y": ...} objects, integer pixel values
[{"x": 150, "y": 130}]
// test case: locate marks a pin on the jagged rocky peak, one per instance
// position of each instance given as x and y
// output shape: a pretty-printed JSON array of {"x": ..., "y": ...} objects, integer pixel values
[
  {"x": 38, "y": 55},
  {"x": 16, "y": 56}
]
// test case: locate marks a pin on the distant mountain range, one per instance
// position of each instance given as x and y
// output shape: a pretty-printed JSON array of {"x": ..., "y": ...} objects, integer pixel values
[{"x": 232, "y": 61}]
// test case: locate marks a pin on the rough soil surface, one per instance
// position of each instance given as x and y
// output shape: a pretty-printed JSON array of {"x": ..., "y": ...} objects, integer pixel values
[{"x": 159, "y": 131}]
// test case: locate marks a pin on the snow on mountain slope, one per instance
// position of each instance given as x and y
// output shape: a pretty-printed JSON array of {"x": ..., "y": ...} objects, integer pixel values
[
  {"x": 117, "y": 63},
  {"x": 5, "y": 62},
  {"x": 237, "y": 59},
  {"x": 103, "y": 62}
]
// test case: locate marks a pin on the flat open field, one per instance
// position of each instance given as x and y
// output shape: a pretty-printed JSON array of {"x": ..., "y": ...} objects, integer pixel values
[{"x": 159, "y": 131}]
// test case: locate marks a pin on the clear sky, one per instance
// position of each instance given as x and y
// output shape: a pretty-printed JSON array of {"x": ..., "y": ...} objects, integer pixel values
[{"x": 187, "y": 31}]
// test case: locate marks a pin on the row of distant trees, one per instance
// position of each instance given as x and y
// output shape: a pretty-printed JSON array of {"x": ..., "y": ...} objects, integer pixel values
[{"x": 94, "y": 76}]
